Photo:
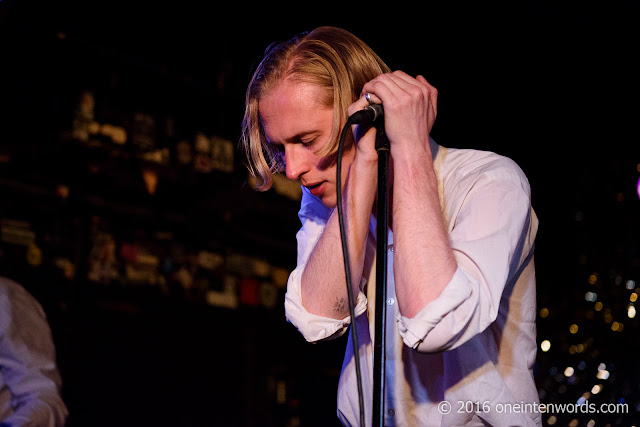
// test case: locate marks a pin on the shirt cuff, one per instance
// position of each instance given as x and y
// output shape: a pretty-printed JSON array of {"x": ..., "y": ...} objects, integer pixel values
[
  {"x": 313, "y": 327},
  {"x": 429, "y": 331}
]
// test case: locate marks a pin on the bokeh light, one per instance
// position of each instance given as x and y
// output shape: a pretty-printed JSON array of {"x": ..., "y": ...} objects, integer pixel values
[{"x": 545, "y": 345}]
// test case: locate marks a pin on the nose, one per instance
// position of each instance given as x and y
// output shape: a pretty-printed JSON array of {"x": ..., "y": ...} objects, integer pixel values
[{"x": 296, "y": 161}]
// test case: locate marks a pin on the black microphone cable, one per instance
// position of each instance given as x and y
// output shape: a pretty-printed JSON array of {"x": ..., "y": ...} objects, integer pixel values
[{"x": 367, "y": 115}]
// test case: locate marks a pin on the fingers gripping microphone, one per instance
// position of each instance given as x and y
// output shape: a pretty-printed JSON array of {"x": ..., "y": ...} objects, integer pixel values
[{"x": 370, "y": 114}]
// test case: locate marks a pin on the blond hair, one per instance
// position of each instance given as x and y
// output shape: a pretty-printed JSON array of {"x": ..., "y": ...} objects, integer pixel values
[{"x": 330, "y": 57}]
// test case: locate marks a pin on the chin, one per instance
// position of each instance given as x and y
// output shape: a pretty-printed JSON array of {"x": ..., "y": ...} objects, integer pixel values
[{"x": 329, "y": 202}]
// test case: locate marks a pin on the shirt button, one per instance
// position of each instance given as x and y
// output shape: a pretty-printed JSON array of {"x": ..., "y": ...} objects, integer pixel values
[
  {"x": 390, "y": 301},
  {"x": 391, "y": 412},
  {"x": 390, "y": 247}
]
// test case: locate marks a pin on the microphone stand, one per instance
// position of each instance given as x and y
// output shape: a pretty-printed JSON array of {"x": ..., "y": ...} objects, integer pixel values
[{"x": 382, "y": 221}]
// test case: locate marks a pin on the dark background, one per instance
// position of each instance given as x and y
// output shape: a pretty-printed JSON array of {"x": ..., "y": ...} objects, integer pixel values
[{"x": 552, "y": 85}]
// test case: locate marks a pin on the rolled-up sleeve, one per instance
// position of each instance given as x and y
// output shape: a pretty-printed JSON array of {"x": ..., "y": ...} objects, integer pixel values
[
  {"x": 314, "y": 217},
  {"x": 492, "y": 232},
  {"x": 312, "y": 327}
]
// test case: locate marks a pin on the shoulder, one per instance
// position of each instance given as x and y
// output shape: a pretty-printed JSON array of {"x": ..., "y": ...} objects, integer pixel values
[{"x": 467, "y": 168}]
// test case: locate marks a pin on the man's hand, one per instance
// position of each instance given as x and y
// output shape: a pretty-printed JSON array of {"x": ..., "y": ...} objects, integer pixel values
[{"x": 410, "y": 109}]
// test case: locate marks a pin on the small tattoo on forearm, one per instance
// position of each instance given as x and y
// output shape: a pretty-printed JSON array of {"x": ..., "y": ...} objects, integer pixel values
[{"x": 340, "y": 305}]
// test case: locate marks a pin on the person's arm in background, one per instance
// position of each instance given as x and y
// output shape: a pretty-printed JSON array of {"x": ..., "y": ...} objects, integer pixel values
[{"x": 28, "y": 360}]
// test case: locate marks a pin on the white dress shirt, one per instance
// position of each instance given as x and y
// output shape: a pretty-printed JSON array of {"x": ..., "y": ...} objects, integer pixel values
[
  {"x": 467, "y": 357},
  {"x": 29, "y": 378}
]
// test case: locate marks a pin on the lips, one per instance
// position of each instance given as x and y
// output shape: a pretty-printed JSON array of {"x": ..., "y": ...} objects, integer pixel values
[{"x": 316, "y": 189}]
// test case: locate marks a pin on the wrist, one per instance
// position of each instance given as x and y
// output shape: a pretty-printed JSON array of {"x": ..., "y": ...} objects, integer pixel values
[
  {"x": 362, "y": 181},
  {"x": 410, "y": 157},
  {"x": 366, "y": 160}
]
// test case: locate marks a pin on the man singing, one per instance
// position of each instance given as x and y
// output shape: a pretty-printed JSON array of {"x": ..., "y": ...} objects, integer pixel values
[{"x": 461, "y": 302}]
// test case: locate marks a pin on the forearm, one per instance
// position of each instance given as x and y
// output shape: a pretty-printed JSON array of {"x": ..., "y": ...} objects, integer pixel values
[
  {"x": 323, "y": 280},
  {"x": 423, "y": 259}
]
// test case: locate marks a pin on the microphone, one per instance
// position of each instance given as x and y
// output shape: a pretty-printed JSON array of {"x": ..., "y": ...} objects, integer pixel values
[{"x": 369, "y": 114}]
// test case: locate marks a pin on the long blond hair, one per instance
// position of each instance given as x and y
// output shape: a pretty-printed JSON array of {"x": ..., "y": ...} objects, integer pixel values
[{"x": 330, "y": 57}]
